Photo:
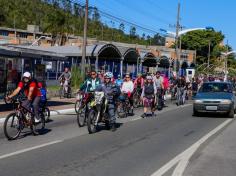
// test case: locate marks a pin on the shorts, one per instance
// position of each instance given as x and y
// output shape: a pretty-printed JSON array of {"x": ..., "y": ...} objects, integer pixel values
[{"x": 148, "y": 102}]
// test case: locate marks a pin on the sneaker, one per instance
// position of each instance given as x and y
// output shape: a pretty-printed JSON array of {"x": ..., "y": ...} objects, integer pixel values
[
  {"x": 143, "y": 115},
  {"x": 113, "y": 127}
]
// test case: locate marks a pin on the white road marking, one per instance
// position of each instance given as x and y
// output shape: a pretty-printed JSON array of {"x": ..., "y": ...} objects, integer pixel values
[
  {"x": 183, "y": 158},
  {"x": 29, "y": 149}
]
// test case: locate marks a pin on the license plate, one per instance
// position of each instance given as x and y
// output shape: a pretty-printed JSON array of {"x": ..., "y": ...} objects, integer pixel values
[{"x": 211, "y": 108}]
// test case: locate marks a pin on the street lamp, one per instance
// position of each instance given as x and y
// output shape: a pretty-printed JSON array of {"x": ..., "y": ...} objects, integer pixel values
[
  {"x": 176, "y": 36},
  {"x": 41, "y": 37},
  {"x": 226, "y": 54}
]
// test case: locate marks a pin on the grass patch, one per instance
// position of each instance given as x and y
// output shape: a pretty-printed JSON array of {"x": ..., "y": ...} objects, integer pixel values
[{"x": 53, "y": 88}]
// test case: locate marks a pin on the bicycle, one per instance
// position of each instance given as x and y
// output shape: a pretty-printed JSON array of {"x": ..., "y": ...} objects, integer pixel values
[
  {"x": 180, "y": 96},
  {"x": 123, "y": 106},
  {"x": 62, "y": 91},
  {"x": 45, "y": 110},
  {"x": 20, "y": 119},
  {"x": 137, "y": 97},
  {"x": 82, "y": 107}
]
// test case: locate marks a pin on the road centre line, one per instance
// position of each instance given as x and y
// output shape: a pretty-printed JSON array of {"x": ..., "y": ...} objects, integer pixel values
[
  {"x": 29, "y": 149},
  {"x": 183, "y": 158}
]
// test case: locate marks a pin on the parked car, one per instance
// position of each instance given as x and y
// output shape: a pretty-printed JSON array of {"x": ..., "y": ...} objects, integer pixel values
[{"x": 215, "y": 97}]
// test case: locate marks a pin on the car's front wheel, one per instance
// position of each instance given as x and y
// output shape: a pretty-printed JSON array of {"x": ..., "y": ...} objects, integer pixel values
[
  {"x": 195, "y": 112},
  {"x": 231, "y": 113}
]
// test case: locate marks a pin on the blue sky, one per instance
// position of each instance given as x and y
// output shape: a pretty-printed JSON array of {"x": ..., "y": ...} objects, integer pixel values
[{"x": 156, "y": 14}]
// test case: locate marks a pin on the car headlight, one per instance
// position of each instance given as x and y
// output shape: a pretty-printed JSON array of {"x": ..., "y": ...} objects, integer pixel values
[
  {"x": 198, "y": 101},
  {"x": 226, "y": 101}
]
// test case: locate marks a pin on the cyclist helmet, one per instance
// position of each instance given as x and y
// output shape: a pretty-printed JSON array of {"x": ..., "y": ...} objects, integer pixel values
[
  {"x": 108, "y": 75},
  {"x": 149, "y": 77},
  {"x": 26, "y": 75}
]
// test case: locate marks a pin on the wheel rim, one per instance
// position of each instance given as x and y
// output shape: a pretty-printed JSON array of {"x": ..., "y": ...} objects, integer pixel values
[
  {"x": 81, "y": 116},
  {"x": 38, "y": 128},
  {"x": 13, "y": 126}
]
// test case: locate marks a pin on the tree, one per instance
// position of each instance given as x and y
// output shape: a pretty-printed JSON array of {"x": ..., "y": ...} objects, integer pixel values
[
  {"x": 122, "y": 27},
  {"x": 95, "y": 15},
  {"x": 143, "y": 36},
  {"x": 133, "y": 31},
  {"x": 199, "y": 41},
  {"x": 158, "y": 40}
]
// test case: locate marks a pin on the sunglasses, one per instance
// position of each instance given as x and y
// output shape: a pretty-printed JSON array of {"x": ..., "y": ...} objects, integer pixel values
[
  {"x": 93, "y": 74},
  {"x": 127, "y": 77}
]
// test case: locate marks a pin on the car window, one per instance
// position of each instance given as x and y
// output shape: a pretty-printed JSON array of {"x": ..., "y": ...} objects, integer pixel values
[{"x": 216, "y": 87}]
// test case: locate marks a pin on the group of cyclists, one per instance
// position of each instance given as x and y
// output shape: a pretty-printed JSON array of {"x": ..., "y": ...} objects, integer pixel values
[{"x": 150, "y": 89}]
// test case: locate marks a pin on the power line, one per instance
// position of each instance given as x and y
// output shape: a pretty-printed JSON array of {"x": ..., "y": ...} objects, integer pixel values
[{"x": 118, "y": 19}]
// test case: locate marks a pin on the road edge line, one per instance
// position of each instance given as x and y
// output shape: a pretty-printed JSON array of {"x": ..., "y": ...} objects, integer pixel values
[
  {"x": 29, "y": 149},
  {"x": 186, "y": 154}
]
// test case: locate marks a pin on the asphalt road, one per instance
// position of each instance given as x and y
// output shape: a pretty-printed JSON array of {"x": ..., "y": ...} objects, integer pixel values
[{"x": 138, "y": 148}]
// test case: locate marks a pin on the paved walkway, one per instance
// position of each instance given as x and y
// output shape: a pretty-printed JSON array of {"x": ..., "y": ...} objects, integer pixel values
[{"x": 54, "y": 104}]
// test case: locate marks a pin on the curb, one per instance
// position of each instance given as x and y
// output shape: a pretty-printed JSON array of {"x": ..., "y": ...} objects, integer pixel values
[{"x": 52, "y": 113}]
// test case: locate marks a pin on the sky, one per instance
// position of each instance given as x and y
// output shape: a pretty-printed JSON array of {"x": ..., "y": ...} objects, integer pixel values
[{"x": 161, "y": 14}]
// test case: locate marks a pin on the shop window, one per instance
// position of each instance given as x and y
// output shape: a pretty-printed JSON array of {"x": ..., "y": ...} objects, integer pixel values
[
  {"x": 4, "y": 33},
  {"x": 23, "y": 35}
]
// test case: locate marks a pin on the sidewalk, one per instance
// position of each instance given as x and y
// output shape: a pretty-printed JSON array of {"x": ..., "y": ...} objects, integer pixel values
[
  {"x": 218, "y": 158},
  {"x": 54, "y": 104}
]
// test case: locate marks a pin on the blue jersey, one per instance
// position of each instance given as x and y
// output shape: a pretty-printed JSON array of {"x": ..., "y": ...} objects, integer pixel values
[
  {"x": 43, "y": 94},
  {"x": 119, "y": 82}
]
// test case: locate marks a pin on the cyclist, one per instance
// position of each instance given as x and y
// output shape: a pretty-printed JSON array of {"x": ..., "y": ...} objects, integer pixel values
[
  {"x": 158, "y": 81},
  {"x": 65, "y": 79},
  {"x": 139, "y": 83},
  {"x": 91, "y": 83},
  {"x": 119, "y": 81},
  {"x": 181, "y": 90},
  {"x": 128, "y": 88},
  {"x": 111, "y": 91},
  {"x": 29, "y": 88},
  {"x": 148, "y": 96}
]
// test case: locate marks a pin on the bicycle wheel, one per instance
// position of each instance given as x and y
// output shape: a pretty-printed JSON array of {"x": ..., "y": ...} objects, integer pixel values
[
  {"x": 121, "y": 110},
  {"x": 77, "y": 105},
  {"x": 38, "y": 128},
  {"x": 61, "y": 92},
  {"x": 13, "y": 126},
  {"x": 92, "y": 128},
  {"x": 46, "y": 114},
  {"x": 136, "y": 100},
  {"x": 81, "y": 116}
]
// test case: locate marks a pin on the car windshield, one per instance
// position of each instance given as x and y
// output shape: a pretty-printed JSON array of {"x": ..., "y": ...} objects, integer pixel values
[{"x": 216, "y": 87}]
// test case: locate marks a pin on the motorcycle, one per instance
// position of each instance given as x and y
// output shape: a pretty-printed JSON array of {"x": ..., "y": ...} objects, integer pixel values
[{"x": 98, "y": 112}]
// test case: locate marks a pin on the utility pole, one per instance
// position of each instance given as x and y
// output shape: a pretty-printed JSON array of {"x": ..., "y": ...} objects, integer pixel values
[
  {"x": 209, "y": 53},
  {"x": 84, "y": 41},
  {"x": 226, "y": 62},
  {"x": 177, "y": 39}
]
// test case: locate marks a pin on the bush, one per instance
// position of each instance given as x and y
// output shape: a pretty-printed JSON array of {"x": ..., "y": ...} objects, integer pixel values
[{"x": 76, "y": 77}]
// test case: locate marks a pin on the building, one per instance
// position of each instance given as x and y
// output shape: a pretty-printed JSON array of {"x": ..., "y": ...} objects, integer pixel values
[{"x": 46, "y": 62}]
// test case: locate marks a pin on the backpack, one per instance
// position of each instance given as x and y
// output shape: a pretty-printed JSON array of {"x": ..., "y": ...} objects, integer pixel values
[{"x": 149, "y": 90}]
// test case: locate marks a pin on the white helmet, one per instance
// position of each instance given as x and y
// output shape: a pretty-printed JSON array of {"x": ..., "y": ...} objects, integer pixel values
[
  {"x": 26, "y": 75},
  {"x": 108, "y": 75}
]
